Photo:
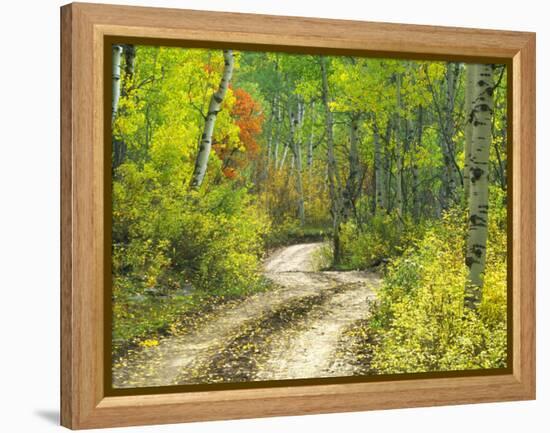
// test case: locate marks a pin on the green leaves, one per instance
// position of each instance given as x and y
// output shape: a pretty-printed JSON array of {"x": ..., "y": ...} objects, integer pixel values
[
  {"x": 174, "y": 251},
  {"x": 166, "y": 238},
  {"x": 423, "y": 325}
]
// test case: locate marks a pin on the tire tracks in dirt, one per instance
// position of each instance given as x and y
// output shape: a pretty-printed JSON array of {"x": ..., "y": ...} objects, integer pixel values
[{"x": 305, "y": 301}]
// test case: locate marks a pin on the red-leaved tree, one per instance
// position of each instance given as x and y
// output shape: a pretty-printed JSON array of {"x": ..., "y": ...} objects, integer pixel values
[{"x": 249, "y": 118}]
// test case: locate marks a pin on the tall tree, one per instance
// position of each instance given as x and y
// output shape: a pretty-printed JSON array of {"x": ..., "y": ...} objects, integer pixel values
[
  {"x": 269, "y": 133},
  {"x": 482, "y": 111},
  {"x": 116, "y": 60},
  {"x": 276, "y": 138},
  {"x": 444, "y": 101},
  {"x": 310, "y": 138},
  {"x": 201, "y": 162},
  {"x": 351, "y": 189},
  {"x": 333, "y": 179},
  {"x": 296, "y": 118}
]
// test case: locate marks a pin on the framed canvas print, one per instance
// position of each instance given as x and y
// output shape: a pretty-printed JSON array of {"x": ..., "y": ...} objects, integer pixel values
[{"x": 269, "y": 216}]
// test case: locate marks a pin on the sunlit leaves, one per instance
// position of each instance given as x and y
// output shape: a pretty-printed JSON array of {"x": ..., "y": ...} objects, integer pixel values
[
  {"x": 172, "y": 246},
  {"x": 422, "y": 325}
]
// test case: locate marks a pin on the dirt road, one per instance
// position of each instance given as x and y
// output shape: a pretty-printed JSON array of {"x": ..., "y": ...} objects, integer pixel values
[{"x": 290, "y": 332}]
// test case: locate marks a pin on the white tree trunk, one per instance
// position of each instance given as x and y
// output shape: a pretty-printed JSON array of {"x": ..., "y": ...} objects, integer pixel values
[
  {"x": 270, "y": 131},
  {"x": 479, "y": 182},
  {"x": 276, "y": 139},
  {"x": 201, "y": 163},
  {"x": 285, "y": 153},
  {"x": 268, "y": 152},
  {"x": 295, "y": 120},
  {"x": 116, "y": 56},
  {"x": 310, "y": 139}
]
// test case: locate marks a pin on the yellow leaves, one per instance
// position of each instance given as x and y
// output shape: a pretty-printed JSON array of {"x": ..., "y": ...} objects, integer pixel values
[
  {"x": 435, "y": 70},
  {"x": 129, "y": 118},
  {"x": 423, "y": 298},
  {"x": 344, "y": 75},
  {"x": 149, "y": 343}
]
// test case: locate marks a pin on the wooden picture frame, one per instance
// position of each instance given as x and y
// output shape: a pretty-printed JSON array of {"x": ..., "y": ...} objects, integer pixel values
[{"x": 84, "y": 27}]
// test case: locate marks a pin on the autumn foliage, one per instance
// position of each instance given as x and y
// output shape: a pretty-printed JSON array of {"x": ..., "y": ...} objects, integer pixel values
[
  {"x": 248, "y": 117},
  {"x": 368, "y": 155}
]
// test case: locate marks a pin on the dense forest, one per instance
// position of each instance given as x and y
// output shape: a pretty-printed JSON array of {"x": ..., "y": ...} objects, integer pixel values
[{"x": 393, "y": 167}]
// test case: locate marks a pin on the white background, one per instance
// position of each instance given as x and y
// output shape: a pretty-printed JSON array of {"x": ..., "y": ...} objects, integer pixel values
[{"x": 29, "y": 219}]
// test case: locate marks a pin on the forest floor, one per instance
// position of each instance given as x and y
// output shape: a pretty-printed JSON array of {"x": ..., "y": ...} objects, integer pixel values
[{"x": 294, "y": 331}]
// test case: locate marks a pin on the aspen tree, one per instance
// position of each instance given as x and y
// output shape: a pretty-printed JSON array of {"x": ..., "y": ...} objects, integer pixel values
[
  {"x": 205, "y": 145},
  {"x": 333, "y": 180},
  {"x": 296, "y": 121},
  {"x": 116, "y": 56},
  {"x": 482, "y": 111},
  {"x": 352, "y": 184}
]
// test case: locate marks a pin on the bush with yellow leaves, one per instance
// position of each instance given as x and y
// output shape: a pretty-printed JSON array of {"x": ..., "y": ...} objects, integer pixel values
[{"x": 420, "y": 323}]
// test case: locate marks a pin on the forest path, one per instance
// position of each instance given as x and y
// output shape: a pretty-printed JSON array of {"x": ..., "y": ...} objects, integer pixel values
[
  {"x": 309, "y": 348},
  {"x": 292, "y": 331}
]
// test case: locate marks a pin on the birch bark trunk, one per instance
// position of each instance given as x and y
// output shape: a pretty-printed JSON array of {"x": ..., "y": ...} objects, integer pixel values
[
  {"x": 276, "y": 139},
  {"x": 285, "y": 153},
  {"x": 116, "y": 57},
  {"x": 482, "y": 111},
  {"x": 310, "y": 139},
  {"x": 201, "y": 163},
  {"x": 295, "y": 121},
  {"x": 268, "y": 151}
]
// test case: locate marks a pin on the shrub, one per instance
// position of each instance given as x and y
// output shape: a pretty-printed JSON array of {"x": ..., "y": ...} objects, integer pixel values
[
  {"x": 173, "y": 248},
  {"x": 380, "y": 238},
  {"x": 420, "y": 322}
]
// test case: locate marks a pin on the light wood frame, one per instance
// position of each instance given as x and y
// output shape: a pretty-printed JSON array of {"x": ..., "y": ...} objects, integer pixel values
[{"x": 84, "y": 26}]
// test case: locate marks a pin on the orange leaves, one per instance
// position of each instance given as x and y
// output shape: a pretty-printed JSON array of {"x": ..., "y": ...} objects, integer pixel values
[
  {"x": 249, "y": 120},
  {"x": 208, "y": 68},
  {"x": 247, "y": 115},
  {"x": 229, "y": 172}
]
